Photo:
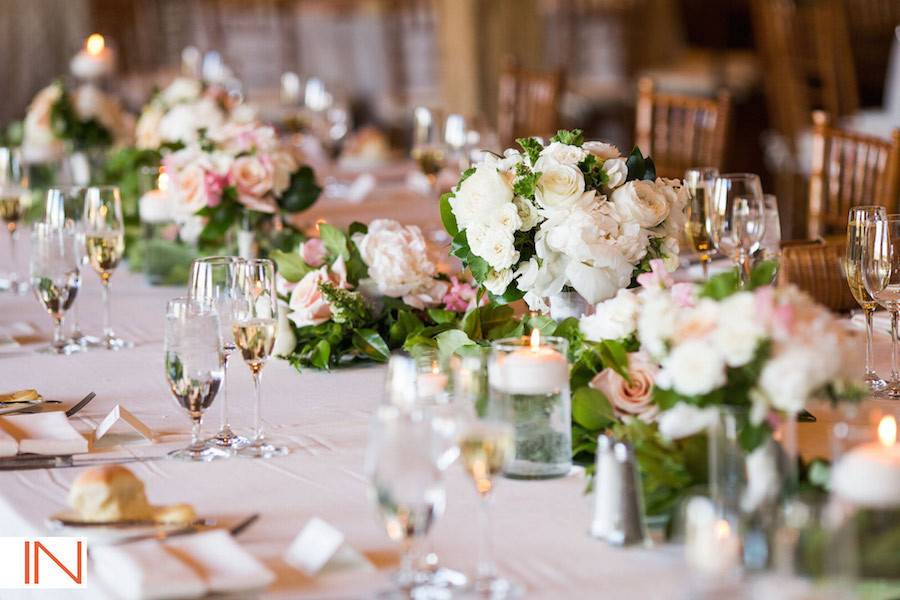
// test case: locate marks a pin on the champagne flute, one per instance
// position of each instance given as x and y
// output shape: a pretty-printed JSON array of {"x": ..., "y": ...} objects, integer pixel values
[
  {"x": 486, "y": 445},
  {"x": 428, "y": 150},
  {"x": 254, "y": 323},
  {"x": 194, "y": 368},
  {"x": 406, "y": 485},
  {"x": 881, "y": 276},
  {"x": 64, "y": 207},
  {"x": 13, "y": 192},
  {"x": 55, "y": 278},
  {"x": 214, "y": 280},
  {"x": 860, "y": 218},
  {"x": 736, "y": 219},
  {"x": 104, "y": 241},
  {"x": 698, "y": 182}
]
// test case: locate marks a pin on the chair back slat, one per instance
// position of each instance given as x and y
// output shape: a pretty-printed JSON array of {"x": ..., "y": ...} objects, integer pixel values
[
  {"x": 528, "y": 103},
  {"x": 849, "y": 169},
  {"x": 680, "y": 132},
  {"x": 815, "y": 267}
]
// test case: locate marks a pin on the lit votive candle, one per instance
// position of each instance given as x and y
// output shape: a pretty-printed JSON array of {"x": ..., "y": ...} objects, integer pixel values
[
  {"x": 712, "y": 547},
  {"x": 432, "y": 383},
  {"x": 533, "y": 369},
  {"x": 95, "y": 60},
  {"x": 869, "y": 475},
  {"x": 153, "y": 206}
]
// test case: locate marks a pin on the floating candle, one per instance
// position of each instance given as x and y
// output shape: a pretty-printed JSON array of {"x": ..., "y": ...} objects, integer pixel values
[
  {"x": 431, "y": 384},
  {"x": 95, "y": 60},
  {"x": 712, "y": 547},
  {"x": 869, "y": 475},
  {"x": 533, "y": 369},
  {"x": 154, "y": 204}
]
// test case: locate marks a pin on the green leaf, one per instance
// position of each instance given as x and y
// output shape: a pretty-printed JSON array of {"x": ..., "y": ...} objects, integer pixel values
[
  {"x": 512, "y": 294},
  {"x": 591, "y": 409},
  {"x": 449, "y": 342},
  {"x": 614, "y": 357},
  {"x": 447, "y": 216},
  {"x": 439, "y": 315},
  {"x": 406, "y": 325},
  {"x": 479, "y": 321},
  {"x": 531, "y": 147},
  {"x": 569, "y": 329},
  {"x": 290, "y": 265},
  {"x": 526, "y": 181},
  {"x": 720, "y": 286},
  {"x": 357, "y": 227},
  {"x": 321, "y": 355},
  {"x": 302, "y": 191},
  {"x": 639, "y": 167},
  {"x": 571, "y": 137},
  {"x": 220, "y": 221},
  {"x": 335, "y": 240},
  {"x": 371, "y": 344},
  {"x": 764, "y": 273}
]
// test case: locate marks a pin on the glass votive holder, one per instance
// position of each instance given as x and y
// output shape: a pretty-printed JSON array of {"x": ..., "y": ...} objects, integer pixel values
[{"x": 529, "y": 387}]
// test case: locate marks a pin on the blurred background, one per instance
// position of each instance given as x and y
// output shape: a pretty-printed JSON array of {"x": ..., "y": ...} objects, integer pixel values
[{"x": 511, "y": 67}]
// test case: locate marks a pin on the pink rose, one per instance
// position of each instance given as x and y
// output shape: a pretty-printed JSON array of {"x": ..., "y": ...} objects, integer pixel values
[
  {"x": 253, "y": 177},
  {"x": 630, "y": 399},
  {"x": 187, "y": 189},
  {"x": 459, "y": 296},
  {"x": 215, "y": 184},
  {"x": 307, "y": 304},
  {"x": 312, "y": 251}
]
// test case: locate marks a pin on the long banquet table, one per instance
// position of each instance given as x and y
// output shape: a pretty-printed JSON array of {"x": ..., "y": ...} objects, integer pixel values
[{"x": 541, "y": 537}]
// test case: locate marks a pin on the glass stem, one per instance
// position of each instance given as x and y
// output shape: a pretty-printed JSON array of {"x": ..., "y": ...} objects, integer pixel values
[
  {"x": 257, "y": 419},
  {"x": 58, "y": 341},
  {"x": 225, "y": 425},
  {"x": 196, "y": 446},
  {"x": 406, "y": 575},
  {"x": 486, "y": 569},
  {"x": 895, "y": 374},
  {"x": 743, "y": 270},
  {"x": 704, "y": 264},
  {"x": 870, "y": 313},
  {"x": 13, "y": 278},
  {"x": 107, "y": 327}
]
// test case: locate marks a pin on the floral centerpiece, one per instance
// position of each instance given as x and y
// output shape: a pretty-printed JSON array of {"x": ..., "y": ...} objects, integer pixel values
[
  {"x": 566, "y": 216},
  {"x": 363, "y": 293},
  {"x": 84, "y": 118}
]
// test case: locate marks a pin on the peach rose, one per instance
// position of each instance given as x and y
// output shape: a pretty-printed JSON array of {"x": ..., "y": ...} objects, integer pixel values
[
  {"x": 630, "y": 399},
  {"x": 284, "y": 165},
  {"x": 254, "y": 177},
  {"x": 312, "y": 251},
  {"x": 188, "y": 192},
  {"x": 308, "y": 305}
]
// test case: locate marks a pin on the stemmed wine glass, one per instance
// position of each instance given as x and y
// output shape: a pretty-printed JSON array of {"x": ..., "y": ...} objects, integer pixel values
[
  {"x": 428, "y": 149},
  {"x": 104, "y": 240},
  {"x": 860, "y": 218},
  {"x": 254, "y": 323},
  {"x": 194, "y": 368},
  {"x": 214, "y": 279},
  {"x": 486, "y": 444},
  {"x": 13, "y": 190},
  {"x": 406, "y": 485},
  {"x": 736, "y": 219},
  {"x": 699, "y": 182},
  {"x": 64, "y": 207},
  {"x": 55, "y": 278},
  {"x": 881, "y": 275}
]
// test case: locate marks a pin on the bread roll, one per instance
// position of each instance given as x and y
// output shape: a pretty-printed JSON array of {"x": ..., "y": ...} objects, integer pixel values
[
  {"x": 109, "y": 493},
  {"x": 174, "y": 514}
]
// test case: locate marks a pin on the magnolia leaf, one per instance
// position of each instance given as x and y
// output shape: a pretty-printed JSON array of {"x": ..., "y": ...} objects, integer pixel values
[
  {"x": 371, "y": 344},
  {"x": 302, "y": 191},
  {"x": 447, "y": 216},
  {"x": 545, "y": 324},
  {"x": 639, "y": 167},
  {"x": 763, "y": 273},
  {"x": 441, "y": 316},
  {"x": 720, "y": 286},
  {"x": 591, "y": 409},
  {"x": 290, "y": 265},
  {"x": 357, "y": 227},
  {"x": 321, "y": 355},
  {"x": 406, "y": 325},
  {"x": 449, "y": 342},
  {"x": 512, "y": 294},
  {"x": 614, "y": 357},
  {"x": 334, "y": 239}
]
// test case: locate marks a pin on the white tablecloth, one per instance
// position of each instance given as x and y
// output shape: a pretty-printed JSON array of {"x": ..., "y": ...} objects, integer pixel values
[{"x": 540, "y": 527}]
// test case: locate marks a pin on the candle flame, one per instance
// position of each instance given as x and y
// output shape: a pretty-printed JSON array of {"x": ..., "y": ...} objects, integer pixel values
[
  {"x": 162, "y": 182},
  {"x": 435, "y": 368},
  {"x": 887, "y": 430},
  {"x": 319, "y": 222},
  {"x": 723, "y": 529},
  {"x": 535, "y": 339},
  {"x": 95, "y": 44}
]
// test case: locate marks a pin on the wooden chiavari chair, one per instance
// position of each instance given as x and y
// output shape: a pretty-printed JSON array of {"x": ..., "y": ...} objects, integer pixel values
[
  {"x": 681, "y": 132},
  {"x": 849, "y": 169},
  {"x": 528, "y": 103},
  {"x": 815, "y": 267}
]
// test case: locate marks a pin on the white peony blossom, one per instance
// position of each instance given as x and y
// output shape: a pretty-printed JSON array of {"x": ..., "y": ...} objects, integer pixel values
[
  {"x": 641, "y": 202},
  {"x": 497, "y": 281},
  {"x": 694, "y": 369},
  {"x": 613, "y": 319},
  {"x": 182, "y": 89},
  {"x": 738, "y": 332},
  {"x": 684, "y": 420},
  {"x": 480, "y": 194}
]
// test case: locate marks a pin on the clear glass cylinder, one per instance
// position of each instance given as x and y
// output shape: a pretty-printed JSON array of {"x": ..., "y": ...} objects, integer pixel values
[{"x": 529, "y": 388}]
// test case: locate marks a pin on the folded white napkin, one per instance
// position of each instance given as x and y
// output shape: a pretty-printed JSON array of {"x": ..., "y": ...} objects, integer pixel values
[
  {"x": 8, "y": 444},
  {"x": 44, "y": 433},
  {"x": 187, "y": 566},
  {"x": 320, "y": 547}
]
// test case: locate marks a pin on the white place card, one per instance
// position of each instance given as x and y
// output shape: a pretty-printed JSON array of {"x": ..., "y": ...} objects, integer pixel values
[
  {"x": 319, "y": 548},
  {"x": 123, "y": 421}
]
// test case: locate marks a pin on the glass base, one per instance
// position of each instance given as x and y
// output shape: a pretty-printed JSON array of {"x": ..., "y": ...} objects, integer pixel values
[
  {"x": 418, "y": 592},
  {"x": 875, "y": 383},
  {"x": 496, "y": 588},
  {"x": 205, "y": 454},
  {"x": 65, "y": 349},
  {"x": 444, "y": 578},
  {"x": 14, "y": 286},
  {"x": 85, "y": 341},
  {"x": 111, "y": 342},
  {"x": 262, "y": 449},
  {"x": 226, "y": 438}
]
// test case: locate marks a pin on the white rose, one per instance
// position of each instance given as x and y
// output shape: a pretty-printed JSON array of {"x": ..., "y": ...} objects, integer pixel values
[
  {"x": 641, "y": 202},
  {"x": 497, "y": 281},
  {"x": 494, "y": 245},
  {"x": 560, "y": 186},
  {"x": 505, "y": 217},
  {"x": 285, "y": 340},
  {"x": 147, "y": 131},
  {"x": 613, "y": 319},
  {"x": 789, "y": 379},
  {"x": 511, "y": 159},
  {"x": 190, "y": 228},
  {"x": 183, "y": 122},
  {"x": 563, "y": 154},
  {"x": 397, "y": 258},
  {"x": 738, "y": 331},
  {"x": 182, "y": 89},
  {"x": 694, "y": 369},
  {"x": 684, "y": 420},
  {"x": 483, "y": 191},
  {"x": 616, "y": 172},
  {"x": 601, "y": 150},
  {"x": 656, "y": 321},
  {"x": 88, "y": 102},
  {"x": 528, "y": 213}
]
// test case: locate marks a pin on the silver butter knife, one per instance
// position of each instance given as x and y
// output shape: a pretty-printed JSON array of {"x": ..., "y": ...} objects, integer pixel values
[{"x": 63, "y": 461}]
